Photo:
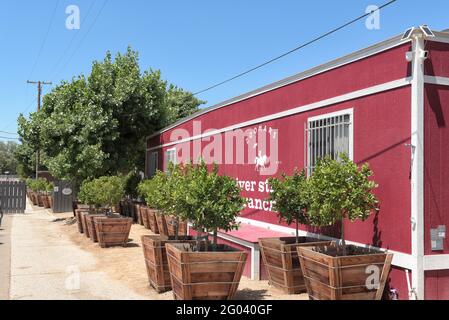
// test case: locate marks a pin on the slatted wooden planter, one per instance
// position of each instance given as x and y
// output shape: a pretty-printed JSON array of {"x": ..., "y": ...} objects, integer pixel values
[
  {"x": 83, "y": 215},
  {"x": 91, "y": 225},
  {"x": 212, "y": 275},
  {"x": 161, "y": 224},
  {"x": 282, "y": 263},
  {"x": 171, "y": 222},
  {"x": 331, "y": 277},
  {"x": 112, "y": 231},
  {"x": 40, "y": 201},
  {"x": 79, "y": 219},
  {"x": 34, "y": 198},
  {"x": 144, "y": 215},
  {"x": 156, "y": 259},
  {"x": 136, "y": 216},
  {"x": 46, "y": 201},
  {"x": 152, "y": 220},
  {"x": 139, "y": 215}
]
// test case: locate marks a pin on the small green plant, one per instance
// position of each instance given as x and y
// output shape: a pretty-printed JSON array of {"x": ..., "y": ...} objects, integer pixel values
[
  {"x": 102, "y": 192},
  {"x": 289, "y": 195},
  {"x": 110, "y": 190},
  {"x": 211, "y": 202},
  {"x": 87, "y": 194},
  {"x": 340, "y": 190}
]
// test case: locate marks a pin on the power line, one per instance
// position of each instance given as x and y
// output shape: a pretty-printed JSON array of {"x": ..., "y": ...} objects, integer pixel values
[
  {"x": 45, "y": 39},
  {"x": 295, "y": 49},
  {"x": 84, "y": 38},
  {"x": 6, "y": 132},
  {"x": 8, "y": 138}
]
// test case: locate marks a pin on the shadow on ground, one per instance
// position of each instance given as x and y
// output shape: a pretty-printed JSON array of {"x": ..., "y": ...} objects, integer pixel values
[{"x": 247, "y": 294}]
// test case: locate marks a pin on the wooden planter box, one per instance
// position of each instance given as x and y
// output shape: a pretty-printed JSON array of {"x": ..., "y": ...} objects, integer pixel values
[
  {"x": 40, "y": 201},
  {"x": 212, "y": 275},
  {"x": 46, "y": 201},
  {"x": 91, "y": 225},
  {"x": 79, "y": 219},
  {"x": 161, "y": 224},
  {"x": 144, "y": 216},
  {"x": 182, "y": 228},
  {"x": 112, "y": 231},
  {"x": 156, "y": 259},
  {"x": 139, "y": 215},
  {"x": 34, "y": 198},
  {"x": 137, "y": 212},
  {"x": 83, "y": 215},
  {"x": 50, "y": 200},
  {"x": 151, "y": 213},
  {"x": 282, "y": 263},
  {"x": 330, "y": 277}
]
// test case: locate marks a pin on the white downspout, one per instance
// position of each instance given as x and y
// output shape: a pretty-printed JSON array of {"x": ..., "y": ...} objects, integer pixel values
[{"x": 417, "y": 181}]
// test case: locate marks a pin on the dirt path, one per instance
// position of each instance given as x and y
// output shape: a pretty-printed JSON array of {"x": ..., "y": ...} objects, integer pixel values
[{"x": 49, "y": 256}]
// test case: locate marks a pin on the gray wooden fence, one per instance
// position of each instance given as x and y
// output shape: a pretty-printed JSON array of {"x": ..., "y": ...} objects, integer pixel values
[{"x": 12, "y": 196}]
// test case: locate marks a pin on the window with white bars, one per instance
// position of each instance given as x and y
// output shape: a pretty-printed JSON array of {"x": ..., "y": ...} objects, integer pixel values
[
  {"x": 170, "y": 156},
  {"x": 328, "y": 135},
  {"x": 153, "y": 164}
]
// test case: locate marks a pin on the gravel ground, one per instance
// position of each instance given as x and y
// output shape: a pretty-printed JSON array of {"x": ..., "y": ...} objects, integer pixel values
[{"x": 49, "y": 256}]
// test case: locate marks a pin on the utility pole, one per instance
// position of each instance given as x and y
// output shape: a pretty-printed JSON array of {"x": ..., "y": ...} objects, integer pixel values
[{"x": 39, "y": 93}]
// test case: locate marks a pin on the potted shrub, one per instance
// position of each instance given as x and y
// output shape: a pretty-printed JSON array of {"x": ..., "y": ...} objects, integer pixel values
[
  {"x": 154, "y": 245},
  {"x": 279, "y": 254},
  {"x": 150, "y": 191},
  {"x": 85, "y": 217},
  {"x": 87, "y": 196},
  {"x": 207, "y": 270},
  {"x": 339, "y": 191},
  {"x": 46, "y": 198},
  {"x": 111, "y": 230},
  {"x": 32, "y": 184},
  {"x": 40, "y": 187}
]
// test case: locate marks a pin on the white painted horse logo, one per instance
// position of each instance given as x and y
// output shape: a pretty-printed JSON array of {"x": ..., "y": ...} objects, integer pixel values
[{"x": 261, "y": 161}]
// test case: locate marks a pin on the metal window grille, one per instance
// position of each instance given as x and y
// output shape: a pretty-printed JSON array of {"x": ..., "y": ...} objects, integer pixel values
[{"x": 327, "y": 137}]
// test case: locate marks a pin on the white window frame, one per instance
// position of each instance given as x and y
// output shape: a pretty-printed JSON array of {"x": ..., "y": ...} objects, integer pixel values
[
  {"x": 350, "y": 112},
  {"x": 167, "y": 160}
]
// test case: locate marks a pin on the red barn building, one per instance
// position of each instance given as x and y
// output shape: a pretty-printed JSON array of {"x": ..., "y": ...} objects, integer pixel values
[{"x": 386, "y": 105}]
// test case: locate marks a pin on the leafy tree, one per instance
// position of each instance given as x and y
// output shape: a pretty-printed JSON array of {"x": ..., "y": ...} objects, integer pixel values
[
  {"x": 8, "y": 161},
  {"x": 290, "y": 198},
  {"x": 96, "y": 125},
  {"x": 339, "y": 190}
]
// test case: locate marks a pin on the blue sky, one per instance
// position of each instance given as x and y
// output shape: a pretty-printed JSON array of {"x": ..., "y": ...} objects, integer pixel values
[{"x": 195, "y": 43}]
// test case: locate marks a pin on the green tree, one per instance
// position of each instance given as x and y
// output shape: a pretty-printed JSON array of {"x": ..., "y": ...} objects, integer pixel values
[
  {"x": 97, "y": 125},
  {"x": 289, "y": 195},
  {"x": 212, "y": 202},
  {"x": 340, "y": 190},
  {"x": 8, "y": 160}
]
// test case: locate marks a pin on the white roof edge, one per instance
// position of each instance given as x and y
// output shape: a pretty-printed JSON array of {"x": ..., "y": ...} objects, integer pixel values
[{"x": 333, "y": 64}]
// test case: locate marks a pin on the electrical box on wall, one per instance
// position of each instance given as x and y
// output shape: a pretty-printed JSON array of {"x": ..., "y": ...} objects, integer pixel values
[{"x": 437, "y": 237}]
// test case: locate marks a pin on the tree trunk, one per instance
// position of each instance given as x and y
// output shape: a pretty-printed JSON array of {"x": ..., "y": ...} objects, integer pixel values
[
  {"x": 215, "y": 237},
  {"x": 343, "y": 242},
  {"x": 297, "y": 228},
  {"x": 176, "y": 222}
]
